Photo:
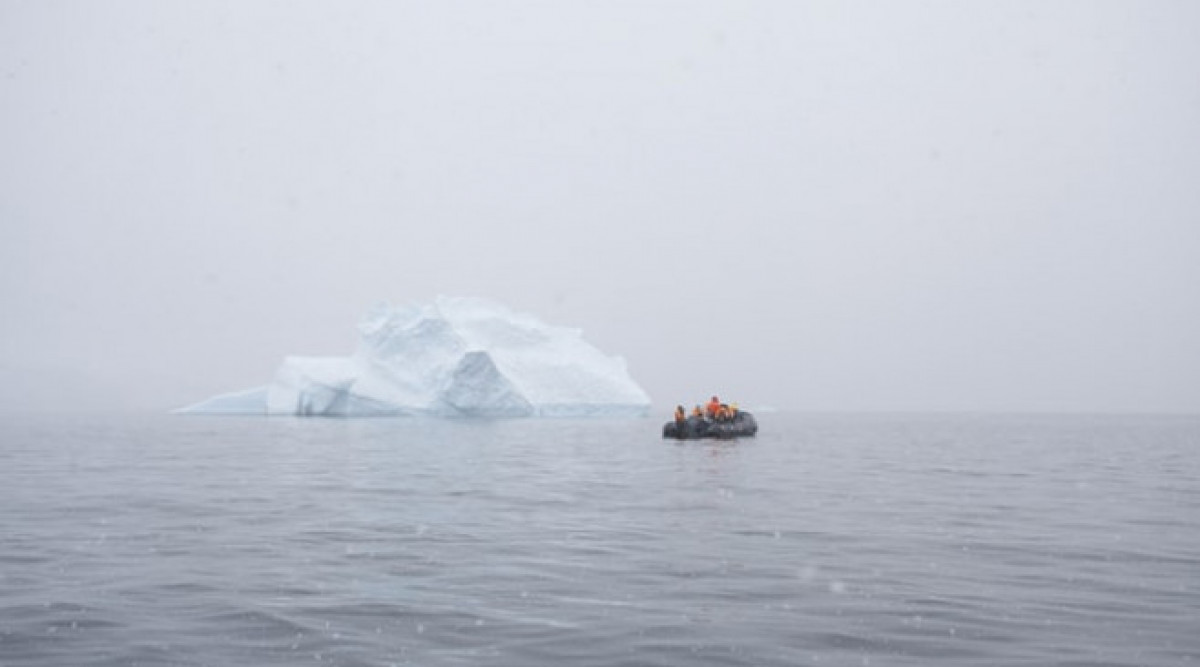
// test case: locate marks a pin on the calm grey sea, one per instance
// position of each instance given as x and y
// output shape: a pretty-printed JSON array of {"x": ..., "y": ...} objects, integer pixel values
[{"x": 827, "y": 540}]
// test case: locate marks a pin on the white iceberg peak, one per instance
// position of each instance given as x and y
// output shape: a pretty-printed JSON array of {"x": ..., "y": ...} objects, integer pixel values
[{"x": 452, "y": 357}]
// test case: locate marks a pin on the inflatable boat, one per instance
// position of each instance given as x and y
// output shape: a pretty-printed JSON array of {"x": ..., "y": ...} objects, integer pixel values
[{"x": 694, "y": 428}]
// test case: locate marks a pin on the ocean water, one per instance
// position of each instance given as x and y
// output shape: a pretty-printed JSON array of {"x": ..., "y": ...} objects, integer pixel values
[{"x": 826, "y": 540}]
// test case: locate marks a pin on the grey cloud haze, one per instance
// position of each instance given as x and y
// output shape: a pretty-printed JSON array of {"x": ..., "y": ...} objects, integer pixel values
[{"x": 832, "y": 205}]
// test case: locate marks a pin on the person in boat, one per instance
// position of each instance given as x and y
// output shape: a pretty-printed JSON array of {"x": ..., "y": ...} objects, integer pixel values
[
  {"x": 680, "y": 415},
  {"x": 712, "y": 408},
  {"x": 696, "y": 425}
]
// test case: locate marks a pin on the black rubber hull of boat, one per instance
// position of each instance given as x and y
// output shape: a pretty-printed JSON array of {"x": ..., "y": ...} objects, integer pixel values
[{"x": 695, "y": 428}]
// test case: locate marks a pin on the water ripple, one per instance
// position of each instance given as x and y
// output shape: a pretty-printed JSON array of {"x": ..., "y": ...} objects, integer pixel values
[{"x": 828, "y": 540}]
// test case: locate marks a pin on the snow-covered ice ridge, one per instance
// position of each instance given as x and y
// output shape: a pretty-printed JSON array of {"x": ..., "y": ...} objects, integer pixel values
[{"x": 454, "y": 357}]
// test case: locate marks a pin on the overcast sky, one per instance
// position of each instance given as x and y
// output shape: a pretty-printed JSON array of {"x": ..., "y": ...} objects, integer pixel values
[{"x": 810, "y": 205}]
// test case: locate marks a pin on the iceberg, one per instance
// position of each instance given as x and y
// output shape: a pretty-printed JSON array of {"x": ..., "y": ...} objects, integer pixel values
[{"x": 466, "y": 357}]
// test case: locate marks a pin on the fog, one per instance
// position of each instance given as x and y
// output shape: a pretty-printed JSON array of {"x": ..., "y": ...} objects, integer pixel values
[{"x": 817, "y": 206}]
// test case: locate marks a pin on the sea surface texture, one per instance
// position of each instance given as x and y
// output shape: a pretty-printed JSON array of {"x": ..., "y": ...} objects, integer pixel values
[{"x": 826, "y": 540}]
